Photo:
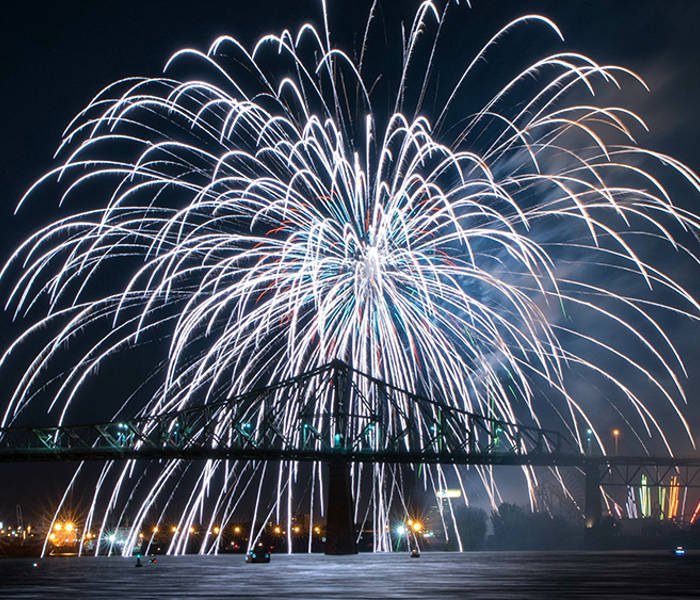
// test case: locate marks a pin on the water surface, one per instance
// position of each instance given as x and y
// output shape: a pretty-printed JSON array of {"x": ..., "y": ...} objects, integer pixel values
[{"x": 478, "y": 575}]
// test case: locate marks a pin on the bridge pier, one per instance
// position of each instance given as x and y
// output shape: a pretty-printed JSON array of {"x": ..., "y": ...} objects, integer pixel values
[
  {"x": 592, "y": 504},
  {"x": 340, "y": 525}
]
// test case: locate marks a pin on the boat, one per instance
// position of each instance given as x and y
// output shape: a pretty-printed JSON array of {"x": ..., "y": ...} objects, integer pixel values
[{"x": 257, "y": 556}]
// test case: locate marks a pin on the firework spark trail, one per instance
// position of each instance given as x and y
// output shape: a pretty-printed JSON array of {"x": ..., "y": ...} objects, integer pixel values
[{"x": 272, "y": 222}]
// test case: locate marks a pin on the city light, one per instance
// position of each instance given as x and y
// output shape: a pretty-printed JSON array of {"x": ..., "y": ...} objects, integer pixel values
[
  {"x": 216, "y": 530},
  {"x": 449, "y": 493},
  {"x": 616, "y": 435},
  {"x": 417, "y": 526},
  {"x": 401, "y": 530},
  {"x": 69, "y": 527},
  {"x": 277, "y": 530},
  {"x": 236, "y": 529}
]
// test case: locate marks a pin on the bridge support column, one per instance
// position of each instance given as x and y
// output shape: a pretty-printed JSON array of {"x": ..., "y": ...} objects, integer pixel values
[
  {"x": 592, "y": 505},
  {"x": 340, "y": 526}
]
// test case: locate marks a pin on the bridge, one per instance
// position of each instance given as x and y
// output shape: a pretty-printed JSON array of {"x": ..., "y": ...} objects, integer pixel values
[{"x": 338, "y": 415}]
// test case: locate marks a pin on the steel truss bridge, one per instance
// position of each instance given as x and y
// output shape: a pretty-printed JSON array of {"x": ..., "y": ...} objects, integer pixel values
[
  {"x": 329, "y": 412},
  {"x": 337, "y": 414}
]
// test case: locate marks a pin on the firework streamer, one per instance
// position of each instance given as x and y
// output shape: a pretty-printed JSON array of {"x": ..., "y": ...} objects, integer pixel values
[
  {"x": 267, "y": 212},
  {"x": 631, "y": 504}
]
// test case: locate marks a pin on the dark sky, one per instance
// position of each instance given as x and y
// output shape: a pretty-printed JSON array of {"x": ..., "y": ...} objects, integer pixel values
[{"x": 58, "y": 55}]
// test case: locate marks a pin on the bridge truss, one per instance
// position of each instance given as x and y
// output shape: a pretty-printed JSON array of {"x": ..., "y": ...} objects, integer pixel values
[
  {"x": 330, "y": 412},
  {"x": 337, "y": 414}
]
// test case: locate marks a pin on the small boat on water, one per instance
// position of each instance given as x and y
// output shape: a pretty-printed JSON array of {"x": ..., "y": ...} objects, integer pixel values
[
  {"x": 415, "y": 553},
  {"x": 259, "y": 555},
  {"x": 678, "y": 551}
]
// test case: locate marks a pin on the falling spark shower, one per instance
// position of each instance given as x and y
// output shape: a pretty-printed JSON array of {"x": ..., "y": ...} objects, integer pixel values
[{"x": 270, "y": 211}]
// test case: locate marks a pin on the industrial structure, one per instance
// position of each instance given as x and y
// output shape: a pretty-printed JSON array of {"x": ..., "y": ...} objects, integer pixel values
[{"x": 363, "y": 420}]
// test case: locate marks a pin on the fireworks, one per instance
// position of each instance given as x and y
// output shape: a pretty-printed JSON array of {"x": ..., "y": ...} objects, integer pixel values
[{"x": 270, "y": 214}]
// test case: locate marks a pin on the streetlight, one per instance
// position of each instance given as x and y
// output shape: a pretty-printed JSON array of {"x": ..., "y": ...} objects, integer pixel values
[{"x": 616, "y": 435}]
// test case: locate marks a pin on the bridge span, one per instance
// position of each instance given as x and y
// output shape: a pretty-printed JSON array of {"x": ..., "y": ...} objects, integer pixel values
[{"x": 338, "y": 415}]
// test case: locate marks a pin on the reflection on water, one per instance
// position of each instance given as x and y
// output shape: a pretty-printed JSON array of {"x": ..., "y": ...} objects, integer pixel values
[{"x": 482, "y": 575}]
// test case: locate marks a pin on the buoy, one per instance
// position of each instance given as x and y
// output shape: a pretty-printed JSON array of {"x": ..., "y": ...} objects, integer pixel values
[
  {"x": 415, "y": 553},
  {"x": 35, "y": 564},
  {"x": 138, "y": 562}
]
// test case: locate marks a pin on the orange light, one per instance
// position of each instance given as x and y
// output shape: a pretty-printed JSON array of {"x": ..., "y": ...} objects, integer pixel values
[
  {"x": 317, "y": 529},
  {"x": 58, "y": 527},
  {"x": 417, "y": 526},
  {"x": 216, "y": 531},
  {"x": 191, "y": 530},
  {"x": 173, "y": 529},
  {"x": 69, "y": 526},
  {"x": 140, "y": 536},
  {"x": 52, "y": 537},
  {"x": 236, "y": 529},
  {"x": 296, "y": 529},
  {"x": 155, "y": 530},
  {"x": 616, "y": 432},
  {"x": 277, "y": 530}
]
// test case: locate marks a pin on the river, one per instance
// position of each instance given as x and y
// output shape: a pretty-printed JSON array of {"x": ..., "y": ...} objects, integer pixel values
[{"x": 478, "y": 575}]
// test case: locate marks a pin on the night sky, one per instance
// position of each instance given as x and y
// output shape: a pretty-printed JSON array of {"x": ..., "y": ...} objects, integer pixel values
[{"x": 58, "y": 55}]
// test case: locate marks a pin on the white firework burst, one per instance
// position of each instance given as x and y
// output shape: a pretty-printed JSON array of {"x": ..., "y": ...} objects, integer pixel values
[{"x": 265, "y": 218}]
